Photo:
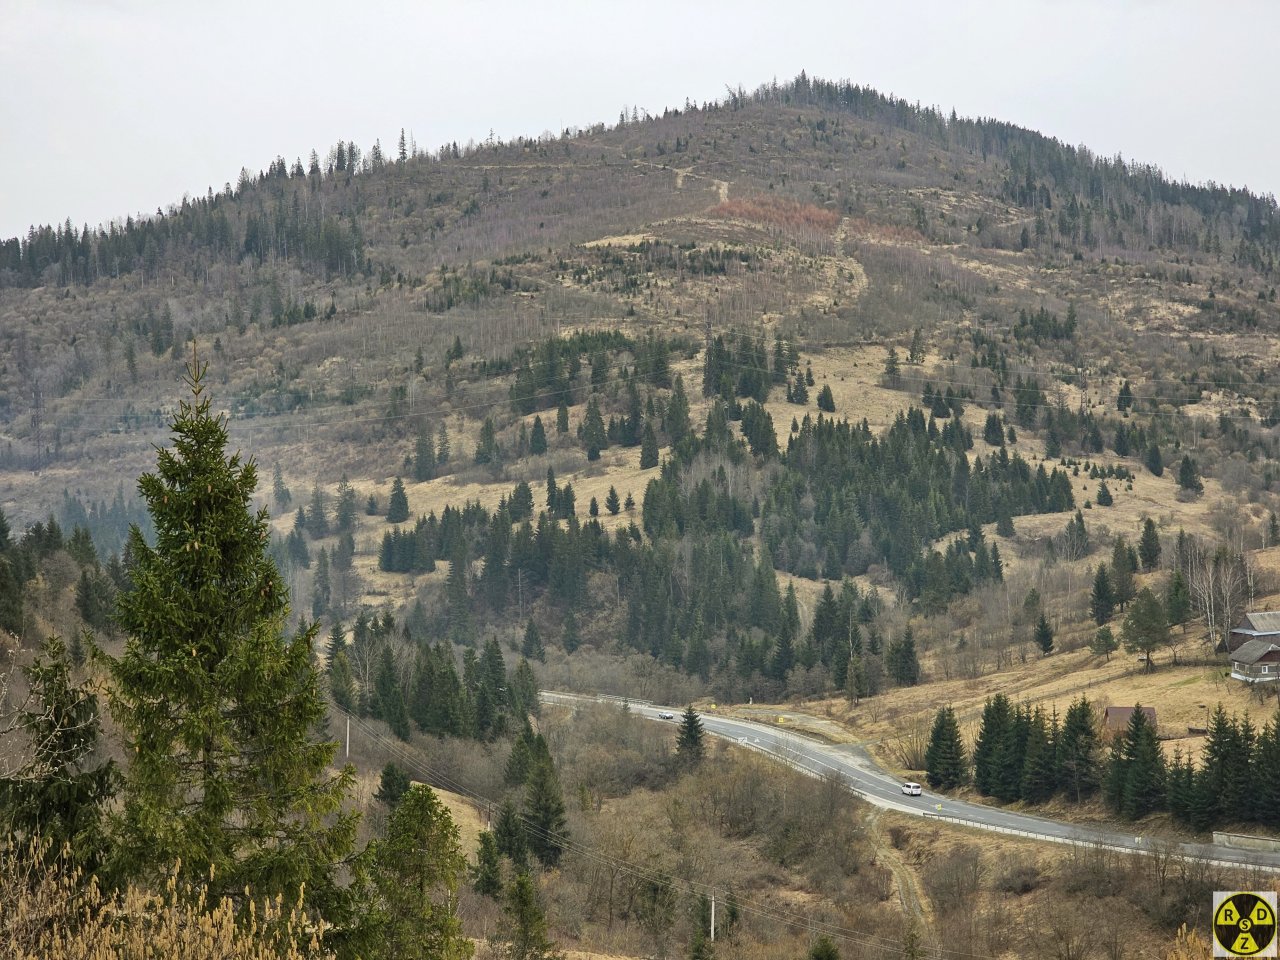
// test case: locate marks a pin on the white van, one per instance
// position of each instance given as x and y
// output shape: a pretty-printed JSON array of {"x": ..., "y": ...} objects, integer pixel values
[{"x": 911, "y": 789}]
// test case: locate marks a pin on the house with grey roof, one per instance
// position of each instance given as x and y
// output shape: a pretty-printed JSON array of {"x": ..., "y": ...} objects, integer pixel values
[
  {"x": 1256, "y": 661},
  {"x": 1264, "y": 625}
]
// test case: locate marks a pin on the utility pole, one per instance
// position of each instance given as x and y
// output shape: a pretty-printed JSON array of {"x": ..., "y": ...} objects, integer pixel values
[
  {"x": 713, "y": 916},
  {"x": 348, "y": 753}
]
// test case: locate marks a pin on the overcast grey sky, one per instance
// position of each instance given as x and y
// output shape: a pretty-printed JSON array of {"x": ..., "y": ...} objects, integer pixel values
[{"x": 115, "y": 106}]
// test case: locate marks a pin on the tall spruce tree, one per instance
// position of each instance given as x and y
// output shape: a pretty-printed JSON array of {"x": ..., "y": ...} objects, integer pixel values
[
  {"x": 946, "y": 765},
  {"x": 217, "y": 707},
  {"x": 690, "y": 745},
  {"x": 538, "y": 438},
  {"x": 1078, "y": 751},
  {"x": 417, "y": 869},
  {"x": 486, "y": 875},
  {"x": 1043, "y": 635},
  {"x": 544, "y": 813},
  {"x": 1149, "y": 545},
  {"x": 397, "y": 503},
  {"x": 1040, "y": 764},
  {"x": 648, "y": 447},
  {"x": 996, "y": 727},
  {"x": 1123, "y": 586},
  {"x": 901, "y": 660},
  {"x": 510, "y": 836},
  {"x": 1177, "y": 601},
  {"x": 1135, "y": 779},
  {"x": 524, "y": 925},
  {"x": 1102, "y": 601}
]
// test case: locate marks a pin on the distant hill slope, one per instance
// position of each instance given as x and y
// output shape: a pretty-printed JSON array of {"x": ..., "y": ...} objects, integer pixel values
[{"x": 327, "y": 291}]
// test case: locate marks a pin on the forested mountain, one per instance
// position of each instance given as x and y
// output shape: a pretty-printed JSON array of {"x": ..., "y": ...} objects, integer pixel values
[
  {"x": 493, "y": 314},
  {"x": 808, "y": 395}
]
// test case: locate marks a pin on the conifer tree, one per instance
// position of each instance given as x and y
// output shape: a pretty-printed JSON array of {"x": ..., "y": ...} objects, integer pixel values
[
  {"x": 524, "y": 926},
  {"x": 487, "y": 450},
  {"x": 995, "y": 729},
  {"x": 1040, "y": 764},
  {"x": 648, "y": 447},
  {"x": 915, "y": 352},
  {"x": 1145, "y": 627},
  {"x": 1266, "y": 762},
  {"x": 532, "y": 645},
  {"x": 63, "y": 792},
  {"x": 593, "y": 434},
  {"x": 611, "y": 502},
  {"x": 417, "y": 869},
  {"x": 389, "y": 704},
  {"x": 1078, "y": 751},
  {"x": 1104, "y": 643},
  {"x": 1135, "y": 782},
  {"x": 397, "y": 503},
  {"x": 1154, "y": 460},
  {"x": 1123, "y": 585},
  {"x": 993, "y": 430},
  {"x": 946, "y": 765},
  {"x": 486, "y": 876},
  {"x": 901, "y": 660},
  {"x": 392, "y": 785},
  {"x": 538, "y": 438},
  {"x": 345, "y": 511},
  {"x": 1189, "y": 476},
  {"x": 892, "y": 368},
  {"x": 1177, "y": 600},
  {"x": 1102, "y": 603},
  {"x": 826, "y": 400},
  {"x": 689, "y": 745},
  {"x": 562, "y": 418},
  {"x": 279, "y": 492},
  {"x": 544, "y": 813},
  {"x": 442, "y": 446},
  {"x": 1149, "y": 545},
  {"x": 1004, "y": 524},
  {"x": 342, "y": 685},
  {"x": 424, "y": 455},
  {"x": 217, "y": 707},
  {"x": 1044, "y": 635},
  {"x": 823, "y": 949},
  {"x": 509, "y": 835},
  {"x": 1104, "y": 498},
  {"x": 520, "y": 760},
  {"x": 678, "y": 423},
  {"x": 318, "y": 514}
]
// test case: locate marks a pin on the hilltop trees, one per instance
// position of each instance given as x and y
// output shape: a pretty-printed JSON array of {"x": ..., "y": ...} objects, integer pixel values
[{"x": 217, "y": 706}]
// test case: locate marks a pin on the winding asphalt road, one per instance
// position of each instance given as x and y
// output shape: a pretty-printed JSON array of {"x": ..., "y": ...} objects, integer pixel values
[{"x": 871, "y": 782}]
